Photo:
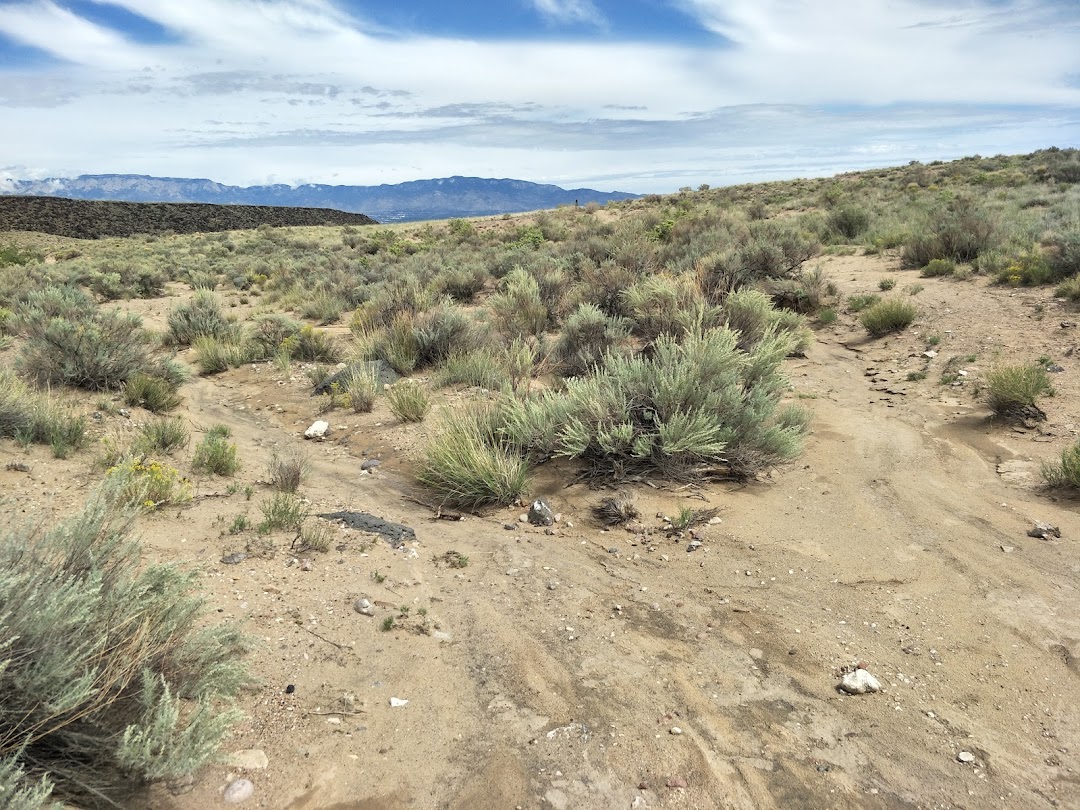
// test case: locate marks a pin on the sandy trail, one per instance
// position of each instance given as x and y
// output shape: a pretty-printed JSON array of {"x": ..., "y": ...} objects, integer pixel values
[{"x": 563, "y": 663}]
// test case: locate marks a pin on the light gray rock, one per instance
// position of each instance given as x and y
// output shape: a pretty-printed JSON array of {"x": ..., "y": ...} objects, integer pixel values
[
  {"x": 364, "y": 607},
  {"x": 860, "y": 682},
  {"x": 541, "y": 514},
  {"x": 318, "y": 430},
  {"x": 238, "y": 790}
]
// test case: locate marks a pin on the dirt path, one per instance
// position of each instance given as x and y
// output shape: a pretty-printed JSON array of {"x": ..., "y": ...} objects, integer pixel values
[{"x": 554, "y": 669}]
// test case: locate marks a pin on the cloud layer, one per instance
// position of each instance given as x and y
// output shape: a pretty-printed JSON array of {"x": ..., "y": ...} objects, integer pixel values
[{"x": 251, "y": 91}]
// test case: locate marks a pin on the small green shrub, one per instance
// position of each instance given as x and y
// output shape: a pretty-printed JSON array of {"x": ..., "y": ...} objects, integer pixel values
[
  {"x": 323, "y": 307},
  {"x": 466, "y": 465},
  {"x": 849, "y": 220},
  {"x": 146, "y": 483},
  {"x": 408, "y": 400},
  {"x": 161, "y": 436},
  {"x": 751, "y": 314},
  {"x": 857, "y": 303},
  {"x": 216, "y": 455},
  {"x": 889, "y": 315},
  {"x": 1066, "y": 472},
  {"x": 485, "y": 368},
  {"x": 110, "y": 678},
  {"x": 200, "y": 317},
  {"x": 33, "y": 417},
  {"x": 282, "y": 510},
  {"x": 314, "y": 536},
  {"x": 1070, "y": 288},
  {"x": 518, "y": 310},
  {"x": 937, "y": 268},
  {"x": 1012, "y": 391},
  {"x": 1027, "y": 270},
  {"x": 215, "y": 355},
  {"x": 151, "y": 392},
  {"x": 886, "y": 284},
  {"x": 959, "y": 231},
  {"x": 827, "y": 316}
]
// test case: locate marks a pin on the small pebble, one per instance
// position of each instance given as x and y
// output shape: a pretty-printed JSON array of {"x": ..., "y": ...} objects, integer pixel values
[
  {"x": 676, "y": 782},
  {"x": 966, "y": 756},
  {"x": 675, "y": 730}
]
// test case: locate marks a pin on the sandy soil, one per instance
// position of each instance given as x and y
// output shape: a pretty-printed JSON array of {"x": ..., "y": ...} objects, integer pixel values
[{"x": 554, "y": 669}]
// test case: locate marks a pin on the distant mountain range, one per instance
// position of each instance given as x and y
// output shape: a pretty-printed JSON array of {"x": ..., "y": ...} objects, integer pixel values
[{"x": 415, "y": 200}]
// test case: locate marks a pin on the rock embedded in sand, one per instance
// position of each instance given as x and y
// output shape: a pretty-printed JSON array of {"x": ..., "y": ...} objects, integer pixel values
[
  {"x": 966, "y": 756},
  {"x": 318, "y": 430},
  {"x": 238, "y": 790},
  {"x": 250, "y": 759},
  {"x": 859, "y": 682},
  {"x": 541, "y": 514},
  {"x": 364, "y": 607}
]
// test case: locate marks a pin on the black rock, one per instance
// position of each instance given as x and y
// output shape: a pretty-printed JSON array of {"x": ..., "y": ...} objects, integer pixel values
[{"x": 540, "y": 514}]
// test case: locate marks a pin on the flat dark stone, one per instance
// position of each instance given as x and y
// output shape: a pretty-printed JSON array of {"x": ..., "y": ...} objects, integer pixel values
[{"x": 395, "y": 534}]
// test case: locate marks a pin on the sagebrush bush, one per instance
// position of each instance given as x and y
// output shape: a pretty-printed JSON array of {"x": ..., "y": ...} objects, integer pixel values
[
  {"x": 110, "y": 679},
  {"x": 202, "y": 316},
  {"x": 587, "y": 335},
  {"x": 938, "y": 267},
  {"x": 889, "y": 315},
  {"x": 959, "y": 231},
  {"x": 92, "y": 349},
  {"x": 518, "y": 310},
  {"x": 215, "y": 355},
  {"x": 849, "y": 220},
  {"x": 466, "y": 465},
  {"x": 668, "y": 305},
  {"x": 752, "y": 315},
  {"x": 1012, "y": 391},
  {"x": 408, "y": 400}
]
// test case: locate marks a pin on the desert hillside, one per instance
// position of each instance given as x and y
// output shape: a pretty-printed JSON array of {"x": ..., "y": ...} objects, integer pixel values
[{"x": 789, "y": 434}]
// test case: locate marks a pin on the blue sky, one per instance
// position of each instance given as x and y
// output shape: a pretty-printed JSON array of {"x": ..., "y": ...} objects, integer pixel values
[{"x": 635, "y": 95}]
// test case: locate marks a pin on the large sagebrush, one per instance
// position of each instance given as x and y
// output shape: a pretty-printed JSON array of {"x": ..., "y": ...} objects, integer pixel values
[{"x": 109, "y": 679}]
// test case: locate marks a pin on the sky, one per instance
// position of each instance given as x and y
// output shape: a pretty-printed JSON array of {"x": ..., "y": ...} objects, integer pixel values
[{"x": 630, "y": 95}]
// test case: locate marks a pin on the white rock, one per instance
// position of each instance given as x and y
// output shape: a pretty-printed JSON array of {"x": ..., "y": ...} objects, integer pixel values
[
  {"x": 317, "y": 430},
  {"x": 966, "y": 756},
  {"x": 364, "y": 607},
  {"x": 397, "y": 703},
  {"x": 675, "y": 730},
  {"x": 238, "y": 790},
  {"x": 860, "y": 682},
  {"x": 250, "y": 759}
]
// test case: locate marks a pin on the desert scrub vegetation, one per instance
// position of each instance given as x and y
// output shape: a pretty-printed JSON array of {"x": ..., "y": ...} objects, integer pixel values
[
  {"x": 69, "y": 341},
  {"x": 215, "y": 454},
  {"x": 468, "y": 463},
  {"x": 1065, "y": 472},
  {"x": 695, "y": 406},
  {"x": 288, "y": 472},
  {"x": 202, "y": 316},
  {"x": 408, "y": 400},
  {"x": 888, "y": 315},
  {"x": 109, "y": 677},
  {"x": 1012, "y": 391},
  {"x": 162, "y": 435},
  {"x": 33, "y": 417}
]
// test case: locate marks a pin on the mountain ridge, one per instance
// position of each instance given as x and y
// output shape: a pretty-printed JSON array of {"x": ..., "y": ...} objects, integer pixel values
[{"x": 438, "y": 198}]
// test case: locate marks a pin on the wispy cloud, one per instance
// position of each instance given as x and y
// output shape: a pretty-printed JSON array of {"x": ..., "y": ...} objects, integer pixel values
[{"x": 569, "y": 11}]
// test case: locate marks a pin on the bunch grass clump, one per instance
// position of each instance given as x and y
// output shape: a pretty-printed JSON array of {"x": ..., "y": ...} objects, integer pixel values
[
  {"x": 1012, "y": 391},
  {"x": 362, "y": 388},
  {"x": 33, "y": 417},
  {"x": 282, "y": 510},
  {"x": 888, "y": 315},
  {"x": 1064, "y": 473},
  {"x": 109, "y": 678},
  {"x": 288, "y": 472},
  {"x": 408, "y": 400},
  {"x": 151, "y": 391},
  {"x": 161, "y": 436},
  {"x": 468, "y": 465}
]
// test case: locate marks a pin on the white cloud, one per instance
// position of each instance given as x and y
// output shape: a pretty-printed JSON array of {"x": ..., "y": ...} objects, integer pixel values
[{"x": 311, "y": 93}]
